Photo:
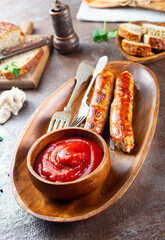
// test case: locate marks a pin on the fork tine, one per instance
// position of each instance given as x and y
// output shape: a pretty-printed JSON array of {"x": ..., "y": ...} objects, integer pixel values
[
  {"x": 55, "y": 124},
  {"x": 66, "y": 124},
  {"x": 80, "y": 120},
  {"x": 73, "y": 123},
  {"x": 50, "y": 125},
  {"x": 61, "y": 124},
  {"x": 77, "y": 121}
]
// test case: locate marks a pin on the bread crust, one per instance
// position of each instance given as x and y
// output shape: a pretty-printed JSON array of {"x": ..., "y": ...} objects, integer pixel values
[
  {"x": 136, "y": 49},
  {"x": 26, "y": 67},
  {"x": 8, "y": 27},
  {"x": 128, "y": 35},
  {"x": 157, "y": 43}
]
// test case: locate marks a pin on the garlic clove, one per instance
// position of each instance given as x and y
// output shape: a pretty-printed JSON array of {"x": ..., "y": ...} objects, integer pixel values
[{"x": 5, "y": 113}]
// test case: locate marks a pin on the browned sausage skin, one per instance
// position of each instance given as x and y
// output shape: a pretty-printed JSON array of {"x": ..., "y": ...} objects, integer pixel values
[
  {"x": 100, "y": 102},
  {"x": 121, "y": 130}
]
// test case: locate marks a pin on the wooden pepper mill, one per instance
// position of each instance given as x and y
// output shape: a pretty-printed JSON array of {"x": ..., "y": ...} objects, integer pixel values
[{"x": 65, "y": 40}]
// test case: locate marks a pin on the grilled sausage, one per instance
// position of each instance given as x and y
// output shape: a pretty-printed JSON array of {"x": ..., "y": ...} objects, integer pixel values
[
  {"x": 121, "y": 130},
  {"x": 100, "y": 102}
]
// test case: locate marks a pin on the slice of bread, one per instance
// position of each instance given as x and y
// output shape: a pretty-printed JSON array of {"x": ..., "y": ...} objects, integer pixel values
[
  {"x": 10, "y": 35},
  {"x": 134, "y": 48},
  {"x": 20, "y": 64},
  {"x": 130, "y": 31},
  {"x": 153, "y": 30},
  {"x": 154, "y": 42}
]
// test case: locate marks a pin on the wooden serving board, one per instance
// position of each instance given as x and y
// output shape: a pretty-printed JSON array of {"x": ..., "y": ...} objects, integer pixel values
[
  {"x": 124, "y": 167},
  {"x": 138, "y": 59},
  {"x": 32, "y": 77},
  {"x": 154, "y": 5}
]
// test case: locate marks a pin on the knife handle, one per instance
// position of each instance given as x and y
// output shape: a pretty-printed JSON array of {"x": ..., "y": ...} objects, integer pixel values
[{"x": 26, "y": 46}]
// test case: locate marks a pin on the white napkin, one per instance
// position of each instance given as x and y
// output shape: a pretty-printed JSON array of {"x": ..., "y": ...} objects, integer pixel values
[{"x": 124, "y": 14}]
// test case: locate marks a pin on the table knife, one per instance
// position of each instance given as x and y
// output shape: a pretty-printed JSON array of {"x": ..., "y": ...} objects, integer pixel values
[{"x": 10, "y": 52}]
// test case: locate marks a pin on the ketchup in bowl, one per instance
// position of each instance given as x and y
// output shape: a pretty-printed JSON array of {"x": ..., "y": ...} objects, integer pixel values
[{"x": 68, "y": 159}]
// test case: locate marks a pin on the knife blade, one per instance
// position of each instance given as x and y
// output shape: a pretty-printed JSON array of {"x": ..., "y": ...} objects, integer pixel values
[{"x": 10, "y": 52}]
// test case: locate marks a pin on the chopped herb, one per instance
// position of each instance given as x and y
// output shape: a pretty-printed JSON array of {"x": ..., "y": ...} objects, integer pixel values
[
  {"x": 13, "y": 64},
  {"x": 103, "y": 34},
  {"x": 1, "y": 138},
  {"x": 15, "y": 71},
  {"x": 12, "y": 73},
  {"x": 6, "y": 67}
]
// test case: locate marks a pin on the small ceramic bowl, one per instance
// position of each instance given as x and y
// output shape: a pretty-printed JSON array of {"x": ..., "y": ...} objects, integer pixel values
[{"x": 72, "y": 189}]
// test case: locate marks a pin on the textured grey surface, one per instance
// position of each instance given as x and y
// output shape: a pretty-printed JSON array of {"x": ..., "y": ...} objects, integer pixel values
[{"x": 140, "y": 213}]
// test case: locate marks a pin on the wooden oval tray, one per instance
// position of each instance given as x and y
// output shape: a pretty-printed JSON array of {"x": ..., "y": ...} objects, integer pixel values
[
  {"x": 137, "y": 59},
  {"x": 124, "y": 167}
]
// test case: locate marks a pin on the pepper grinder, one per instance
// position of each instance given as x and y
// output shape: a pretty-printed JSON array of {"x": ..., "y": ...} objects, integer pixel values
[{"x": 65, "y": 40}]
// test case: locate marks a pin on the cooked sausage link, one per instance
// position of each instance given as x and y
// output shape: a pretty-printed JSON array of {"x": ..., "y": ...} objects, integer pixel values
[
  {"x": 121, "y": 130},
  {"x": 100, "y": 102}
]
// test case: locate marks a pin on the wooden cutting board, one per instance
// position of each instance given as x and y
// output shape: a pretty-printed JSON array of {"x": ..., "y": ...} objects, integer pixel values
[
  {"x": 154, "y": 5},
  {"x": 32, "y": 77}
]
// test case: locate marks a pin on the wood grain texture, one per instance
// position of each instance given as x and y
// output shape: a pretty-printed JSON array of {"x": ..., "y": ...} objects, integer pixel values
[
  {"x": 155, "y": 5},
  {"x": 32, "y": 77},
  {"x": 124, "y": 167},
  {"x": 137, "y": 59}
]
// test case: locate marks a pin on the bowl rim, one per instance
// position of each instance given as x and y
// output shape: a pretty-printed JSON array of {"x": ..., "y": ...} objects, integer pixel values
[{"x": 39, "y": 178}]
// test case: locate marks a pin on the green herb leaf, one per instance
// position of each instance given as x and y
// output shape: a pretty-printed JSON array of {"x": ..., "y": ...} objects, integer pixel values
[
  {"x": 15, "y": 71},
  {"x": 6, "y": 67},
  {"x": 12, "y": 72},
  {"x": 1, "y": 138},
  {"x": 99, "y": 35},
  {"x": 104, "y": 37},
  {"x": 97, "y": 39},
  {"x": 112, "y": 34},
  {"x": 13, "y": 64}
]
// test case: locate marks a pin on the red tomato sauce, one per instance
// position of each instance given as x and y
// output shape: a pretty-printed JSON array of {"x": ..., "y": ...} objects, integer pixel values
[{"x": 68, "y": 159}]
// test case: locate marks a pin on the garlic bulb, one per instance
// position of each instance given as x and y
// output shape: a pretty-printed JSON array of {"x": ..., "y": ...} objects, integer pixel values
[{"x": 11, "y": 101}]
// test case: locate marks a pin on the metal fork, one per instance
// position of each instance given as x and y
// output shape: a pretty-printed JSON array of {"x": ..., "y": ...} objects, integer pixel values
[
  {"x": 63, "y": 118},
  {"x": 83, "y": 110}
]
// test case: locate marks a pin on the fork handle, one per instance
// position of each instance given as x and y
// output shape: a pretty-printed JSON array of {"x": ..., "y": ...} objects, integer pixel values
[
  {"x": 74, "y": 93},
  {"x": 83, "y": 73}
]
